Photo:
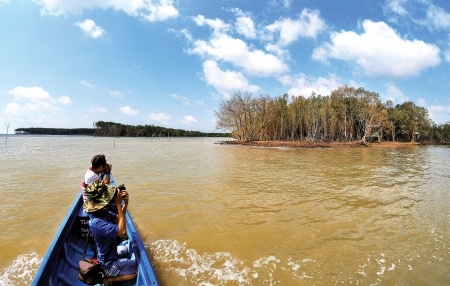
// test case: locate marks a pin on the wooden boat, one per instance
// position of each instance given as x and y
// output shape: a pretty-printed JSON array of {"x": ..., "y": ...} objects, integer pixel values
[{"x": 60, "y": 264}]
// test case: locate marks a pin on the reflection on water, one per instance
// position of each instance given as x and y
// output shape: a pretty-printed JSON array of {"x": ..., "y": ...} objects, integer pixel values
[{"x": 214, "y": 214}]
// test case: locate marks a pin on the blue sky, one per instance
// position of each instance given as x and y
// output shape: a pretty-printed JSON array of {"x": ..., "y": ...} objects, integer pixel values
[{"x": 66, "y": 63}]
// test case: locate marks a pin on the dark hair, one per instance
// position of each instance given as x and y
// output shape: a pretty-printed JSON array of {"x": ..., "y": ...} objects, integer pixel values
[{"x": 98, "y": 161}]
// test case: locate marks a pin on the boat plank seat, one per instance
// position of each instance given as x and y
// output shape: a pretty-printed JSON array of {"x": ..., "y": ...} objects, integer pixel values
[{"x": 107, "y": 281}]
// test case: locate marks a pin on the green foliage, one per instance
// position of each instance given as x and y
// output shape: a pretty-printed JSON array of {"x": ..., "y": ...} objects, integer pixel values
[
  {"x": 55, "y": 131},
  {"x": 113, "y": 129},
  {"x": 442, "y": 133}
]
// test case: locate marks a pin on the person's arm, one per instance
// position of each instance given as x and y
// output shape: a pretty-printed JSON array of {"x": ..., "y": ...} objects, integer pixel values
[
  {"x": 120, "y": 215},
  {"x": 126, "y": 199},
  {"x": 107, "y": 179}
]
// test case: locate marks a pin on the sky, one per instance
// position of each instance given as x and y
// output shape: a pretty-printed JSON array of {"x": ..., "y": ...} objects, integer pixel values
[{"x": 68, "y": 64}]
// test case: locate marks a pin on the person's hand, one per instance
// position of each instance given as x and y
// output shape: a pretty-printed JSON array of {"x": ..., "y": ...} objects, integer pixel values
[
  {"x": 125, "y": 196},
  {"x": 118, "y": 198},
  {"x": 108, "y": 168}
]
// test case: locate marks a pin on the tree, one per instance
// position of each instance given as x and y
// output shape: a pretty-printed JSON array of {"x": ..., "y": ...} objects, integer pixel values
[
  {"x": 231, "y": 115},
  {"x": 345, "y": 103},
  {"x": 445, "y": 132},
  {"x": 389, "y": 119},
  {"x": 369, "y": 111},
  {"x": 411, "y": 119},
  {"x": 245, "y": 116},
  {"x": 312, "y": 119},
  {"x": 298, "y": 108},
  {"x": 328, "y": 119},
  {"x": 281, "y": 108},
  {"x": 265, "y": 113}
]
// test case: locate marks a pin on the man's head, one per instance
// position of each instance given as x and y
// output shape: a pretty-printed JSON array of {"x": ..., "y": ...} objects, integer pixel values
[
  {"x": 98, "y": 161},
  {"x": 98, "y": 196}
]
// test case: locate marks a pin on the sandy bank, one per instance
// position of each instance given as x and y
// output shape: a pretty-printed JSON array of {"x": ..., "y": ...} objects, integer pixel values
[{"x": 321, "y": 144}]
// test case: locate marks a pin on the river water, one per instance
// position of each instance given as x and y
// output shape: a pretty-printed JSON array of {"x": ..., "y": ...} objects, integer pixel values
[{"x": 212, "y": 214}]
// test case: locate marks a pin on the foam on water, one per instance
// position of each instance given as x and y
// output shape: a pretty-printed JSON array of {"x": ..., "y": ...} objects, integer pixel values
[
  {"x": 204, "y": 269},
  {"x": 175, "y": 259},
  {"x": 21, "y": 271},
  {"x": 190, "y": 267},
  {"x": 221, "y": 268}
]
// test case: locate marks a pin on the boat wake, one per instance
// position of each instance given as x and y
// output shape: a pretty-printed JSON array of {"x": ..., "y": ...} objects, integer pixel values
[
  {"x": 222, "y": 268},
  {"x": 177, "y": 264},
  {"x": 21, "y": 271}
]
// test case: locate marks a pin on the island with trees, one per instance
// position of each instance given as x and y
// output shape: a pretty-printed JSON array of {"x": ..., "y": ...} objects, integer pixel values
[{"x": 347, "y": 117}]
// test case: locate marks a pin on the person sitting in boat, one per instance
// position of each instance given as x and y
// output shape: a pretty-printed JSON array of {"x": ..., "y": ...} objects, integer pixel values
[
  {"x": 99, "y": 170},
  {"x": 107, "y": 226}
]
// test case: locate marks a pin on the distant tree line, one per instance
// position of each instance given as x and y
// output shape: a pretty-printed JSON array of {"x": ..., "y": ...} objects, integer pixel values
[
  {"x": 347, "y": 114},
  {"x": 55, "y": 131},
  {"x": 103, "y": 128}
]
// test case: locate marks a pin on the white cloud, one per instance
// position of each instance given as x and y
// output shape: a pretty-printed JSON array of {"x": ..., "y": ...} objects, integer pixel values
[
  {"x": 439, "y": 114},
  {"x": 235, "y": 51},
  {"x": 115, "y": 93},
  {"x": 397, "y": 7},
  {"x": 65, "y": 100},
  {"x": 30, "y": 100},
  {"x": 436, "y": 18},
  {"x": 421, "y": 102},
  {"x": 90, "y": 29},
  {"x": 246, "y": 27},
  {"x": 33, "y": 93},
  {"x": 309, "y": 24},
  {"x": 287, "y": 3},
  {"x": 380, "y": 51},
  {"x": 159, "y": 117},
  {"x": 188, "y": 120},
  {"x": 447, "y": 55},
  {"x": 301, "y": 85},
  {"x": 183, "y": 32},
  {"x": 276, "y": 3},
  {"x": 128, "y": 110},
  {"x": 165, "y": 10},
  {"x": 148, "y": 10},
  {"x": 217, "y": 25},
  {"x": 87, "y": 84},
  {"x": 226, "y": 82},
  {"x": 15, "y": 110},
  {"x": 394, "y": 94},
  {"x": 278, "y": 50},
  {"x": 187, "y": 101},
  {"x": 244, "y": 24},
  {"x": 422, "y": 12},
  {"x": 222, "y": 47}
]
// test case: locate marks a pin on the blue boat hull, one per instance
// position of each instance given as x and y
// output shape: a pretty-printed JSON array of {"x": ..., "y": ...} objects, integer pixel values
[{"x": 60, "y": 264}]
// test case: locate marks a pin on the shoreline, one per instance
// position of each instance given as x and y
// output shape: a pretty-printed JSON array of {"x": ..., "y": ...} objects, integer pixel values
[{"x": 322, "y": 144}]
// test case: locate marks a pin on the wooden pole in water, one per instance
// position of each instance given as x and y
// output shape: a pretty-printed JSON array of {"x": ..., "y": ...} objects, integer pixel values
[{"x": 7, "y": 128}]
